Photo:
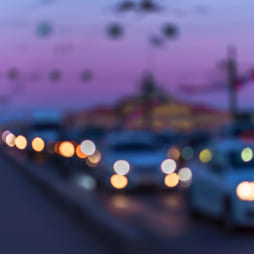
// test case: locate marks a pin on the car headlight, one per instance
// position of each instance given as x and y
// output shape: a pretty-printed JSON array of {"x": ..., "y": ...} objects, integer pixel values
[
  {"x": 245, "y": 191},
  {"x": 168, "y": 166},
  {"x": 119, "y": 181},
  {"x": 121, "y": 167}
]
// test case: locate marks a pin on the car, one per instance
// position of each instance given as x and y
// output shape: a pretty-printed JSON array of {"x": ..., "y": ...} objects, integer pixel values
[
  {"x": 44, "y": 130},
  {"x": 223, "y": 185},
  {"x": 133, "y": 158}
]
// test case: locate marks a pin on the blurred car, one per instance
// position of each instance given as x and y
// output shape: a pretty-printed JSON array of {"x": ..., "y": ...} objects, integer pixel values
[
  {"x": 45, "y": 125},
  {"x": 171, "y": 138},
  {"x": 135, "y": 156},
  {"x": 241, "y": 130},
  {"x": 223, "y": 187},
  {"x": 89, "y": 132}
]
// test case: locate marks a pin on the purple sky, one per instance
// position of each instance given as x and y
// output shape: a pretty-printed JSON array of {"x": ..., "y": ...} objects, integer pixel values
[{"x": 117, "y": 65}]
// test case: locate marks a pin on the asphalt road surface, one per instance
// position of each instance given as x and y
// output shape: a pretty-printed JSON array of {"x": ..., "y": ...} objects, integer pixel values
[
  {"x": 164, "y": 219},
  {"x": 31, "y": 223}
]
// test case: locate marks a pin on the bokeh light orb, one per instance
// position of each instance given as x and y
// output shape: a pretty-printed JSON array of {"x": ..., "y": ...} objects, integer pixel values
[
  {"x": 205, "y": 156},
  {"x": 79, "y": 153},
  {"x": 170, "y": 31},
  {"x": 13, "y": 74},
  {"x": 56, "y": 147},
  {"x": 115, "y": 30},
  {"x": 90, "y": 164},
  {"x": 168, "y": 166},
  {"x": 185, "y": 175},
  {"x": 88, "y": 147},
  {"x": 86, "y": 76},
  {"x": 55, "y": 75},
  {"x": 10, "y": 140},
  {"x": 44, "y": 29},
  {"x": 171, "y": 180},
  {"x": 120, "y": 201},
  {"x": 87, "y": 182},
  {"x": 67, "y": 149},
  {"x": 38, "y": 144},
  {"x": 187, "y": 153},
  {"x": 95, "y": 158},
  {"x": 174, "y": 153},
  {"x": 4, "y": 135},
  {"x": 121, "y": 167},
  {"x": 247, "y": 154},
  {"x": 245, "y": 191},
  {"x": 21, "y": 142},
  {"x": 119, "y": 181}
]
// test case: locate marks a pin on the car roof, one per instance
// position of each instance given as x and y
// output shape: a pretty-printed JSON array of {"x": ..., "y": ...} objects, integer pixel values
[
  {"x": 226, "y": 145},
  {"x": 127, "y": 137}
]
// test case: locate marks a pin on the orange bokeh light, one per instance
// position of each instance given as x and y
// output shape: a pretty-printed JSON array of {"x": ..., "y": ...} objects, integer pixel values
[{"x": 79, "y": 153}]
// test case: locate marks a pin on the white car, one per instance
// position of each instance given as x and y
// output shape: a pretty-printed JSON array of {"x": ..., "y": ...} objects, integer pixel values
[
  {"x": 135, "y": 156},
  {"x": 224, "y": 187}
]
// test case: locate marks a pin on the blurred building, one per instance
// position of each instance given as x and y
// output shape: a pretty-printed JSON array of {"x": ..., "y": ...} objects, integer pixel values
[
  {"x": 172, "y": 114},
  {"x": 100, "y": 116},
  {"x": 164, "y": 114}
]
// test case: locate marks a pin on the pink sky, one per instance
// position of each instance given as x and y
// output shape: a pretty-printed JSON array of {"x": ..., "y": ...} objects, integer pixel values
[{"x": 118, "y": 65}]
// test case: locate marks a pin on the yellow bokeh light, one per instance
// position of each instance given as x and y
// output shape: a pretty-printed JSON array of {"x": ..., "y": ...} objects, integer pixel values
[
  {"x": 247, "y": 154},
  {"x": 67, "y": 149},
  {"x": 79, "y": 153},
  {"x": 205, "y": 156},
  {"x": 171, "y": 180},
  {"x": 10, "y": 140},
  {"x": 119, "y": 181},
  {"x": 21, "y": 142},
  {"x": 38, "y": 144}
]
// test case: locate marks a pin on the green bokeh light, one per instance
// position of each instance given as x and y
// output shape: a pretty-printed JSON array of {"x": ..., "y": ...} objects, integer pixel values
[{"x": 247, "y": 154}]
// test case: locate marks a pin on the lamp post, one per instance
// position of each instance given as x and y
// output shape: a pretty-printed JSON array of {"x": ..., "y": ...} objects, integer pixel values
[{"x": 232, "y": 80}]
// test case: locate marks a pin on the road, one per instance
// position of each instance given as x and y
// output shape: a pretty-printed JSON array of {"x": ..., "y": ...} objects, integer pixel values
[
  {"x": 31, "y": 223},
  {"x": 162, "y": 217},
  {"x": 164, "y": 220}
]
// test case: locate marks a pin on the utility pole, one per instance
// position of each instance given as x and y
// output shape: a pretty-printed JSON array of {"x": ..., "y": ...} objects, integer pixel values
[
  {"x": 148, "y": 88},
  {"x": 232, "y": 80}
]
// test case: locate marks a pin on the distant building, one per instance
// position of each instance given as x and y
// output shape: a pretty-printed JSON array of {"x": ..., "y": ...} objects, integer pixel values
[
  {"x": 171, "y": 114},
  {"x": 100, "y": 116}
]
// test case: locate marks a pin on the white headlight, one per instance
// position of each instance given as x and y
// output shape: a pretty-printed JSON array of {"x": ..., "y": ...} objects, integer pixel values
[
  {"x": 168, "y": 166},
  {"x": 185, "y": 175},
  {"x": 245, "y": 191},
  {"x": 121, "y": 167},
  {"x": 88, "y": 147}
]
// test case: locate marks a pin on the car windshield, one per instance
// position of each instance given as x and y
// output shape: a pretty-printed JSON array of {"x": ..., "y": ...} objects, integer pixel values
[
  {"x": 46, "y": 126},
  {"x": 239, "y": 163},
  {"x": 135, "y": 147}
]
